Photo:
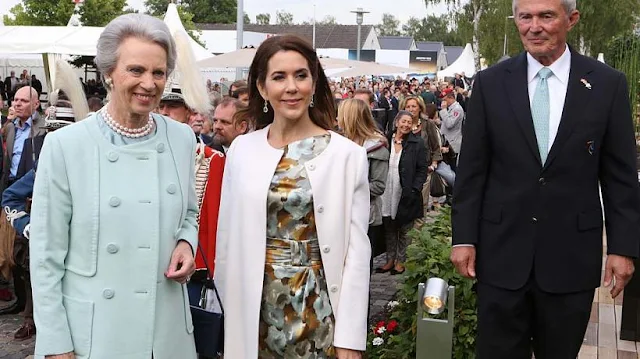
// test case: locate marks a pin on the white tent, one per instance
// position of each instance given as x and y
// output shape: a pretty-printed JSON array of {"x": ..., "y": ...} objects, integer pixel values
[
  {"x": 465, "y": 63},
  {"x": 54, "y": 41}
]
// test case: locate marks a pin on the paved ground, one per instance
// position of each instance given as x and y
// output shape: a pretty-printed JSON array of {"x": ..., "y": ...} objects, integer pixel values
[
  {"x": 9, "y": 348},
  {"x": 601, "y": 341}
]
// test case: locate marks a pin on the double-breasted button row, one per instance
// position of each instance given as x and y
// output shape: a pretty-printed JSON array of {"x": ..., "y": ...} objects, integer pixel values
[
  {"x": 172, "y": 188},
  {"x": 334, "y": 288},
  {"x": 320, "y": 208},
  {"x": 326, "y": 249},
  {"x": 113, "y": 156}
]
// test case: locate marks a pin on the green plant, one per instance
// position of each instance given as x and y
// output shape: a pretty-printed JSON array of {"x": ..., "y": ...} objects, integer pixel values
[{"x": 428, "y": 256}]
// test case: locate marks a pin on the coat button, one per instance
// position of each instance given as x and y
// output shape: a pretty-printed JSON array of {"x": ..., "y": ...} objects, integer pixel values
[
  {"x": 114, "y": 201},
  {"x": 160, "y": 147},
  {"x": 542, "y": 181},
  {"x": 320, "y": 208},
  {"x": 112, "y": 248},
  {"x": 312, "y": 167},
  {"x": 171, "y": 189},
  {"x": 534, "y": 220},
  {"x": 112, "y": 156},
  {"x": 326, "y": 249},
  {"x": 334, "y": 288},
  {"x": 108, "y": 293}
]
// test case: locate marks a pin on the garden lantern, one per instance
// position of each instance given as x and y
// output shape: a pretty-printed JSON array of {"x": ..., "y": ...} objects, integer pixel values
[{"x": 434, "y": 339}]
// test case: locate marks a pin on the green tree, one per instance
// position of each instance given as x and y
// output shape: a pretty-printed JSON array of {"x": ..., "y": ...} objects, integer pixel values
[
  {"x": 158, "y": 8},
  {"x": 477, "y": 9},
  {"x": 284, "y": 18},
  {"x": 100, "y": 12},
  {"x": 432, "y": 28},
  {"x": 601, "y": 21},
  {"x": 40, "y": 13},
  {"x": 203, "y": 11},
  {"x": 389, "y": 26},
  {"x": 246, "y": 19},
  {"x": 328, "y": 20},
  {"x": 263, "y": 19}
]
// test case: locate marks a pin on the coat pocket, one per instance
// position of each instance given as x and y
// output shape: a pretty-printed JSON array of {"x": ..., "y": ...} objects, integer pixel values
[
  {"x": 492, "y": 212},
  {"x": 187, "y": 310},
  {"x": 590, "y": 220},
  {"x": 80, "y": 318}
]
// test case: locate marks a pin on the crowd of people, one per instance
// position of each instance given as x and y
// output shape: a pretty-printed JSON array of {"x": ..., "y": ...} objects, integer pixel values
[{"x": 120, "y": 216}]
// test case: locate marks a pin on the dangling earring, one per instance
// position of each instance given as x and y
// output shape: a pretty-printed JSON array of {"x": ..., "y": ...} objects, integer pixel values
[
  {"x": 311, "y": 104},
  {"x": 265, "y": 109},
  {"x": 108, "y": 82}
]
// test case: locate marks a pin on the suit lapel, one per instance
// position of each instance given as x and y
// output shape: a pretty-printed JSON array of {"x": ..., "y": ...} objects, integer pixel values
[
  {"x": 518, "y": 92},
  {"x": 578, "y": 95}
]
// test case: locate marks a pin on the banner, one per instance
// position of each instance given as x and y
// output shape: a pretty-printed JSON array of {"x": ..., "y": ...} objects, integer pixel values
[{"x": 425, "y": 62}]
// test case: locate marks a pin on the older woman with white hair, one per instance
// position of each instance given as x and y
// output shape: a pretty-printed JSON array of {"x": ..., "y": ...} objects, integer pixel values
[{"x": 113, "y": 223}]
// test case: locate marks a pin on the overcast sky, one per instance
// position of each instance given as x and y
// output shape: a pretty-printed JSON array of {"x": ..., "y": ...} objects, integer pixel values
[{"x": 303, "y": 9}]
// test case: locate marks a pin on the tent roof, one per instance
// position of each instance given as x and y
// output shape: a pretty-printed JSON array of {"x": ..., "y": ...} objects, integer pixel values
[
  {"x": 73, "y": 40},
  {"x": 465, "y": 63}
]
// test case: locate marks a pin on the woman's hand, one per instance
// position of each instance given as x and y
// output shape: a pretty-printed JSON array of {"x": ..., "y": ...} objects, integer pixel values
[
  {"x": 182, "y": 264},
  {"x": 348, "y": 354},
  {"x": 68, "y": 355},
  {"x": 444, "y": 149}
]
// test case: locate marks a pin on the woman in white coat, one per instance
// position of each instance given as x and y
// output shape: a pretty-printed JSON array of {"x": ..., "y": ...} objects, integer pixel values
[{"x": 292, "y": 256}]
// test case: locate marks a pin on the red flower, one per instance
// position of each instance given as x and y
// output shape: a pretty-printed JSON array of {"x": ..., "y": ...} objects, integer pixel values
[
  {"x": 380, "y": 324},
  {"x": 391, "y": 326}
]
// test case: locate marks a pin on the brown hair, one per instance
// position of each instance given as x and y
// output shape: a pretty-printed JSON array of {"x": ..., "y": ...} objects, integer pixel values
[
  {"x": 322, "y": 113},
  {"x": 356, "y": 120},
  {"x": 431, "y": 110},
  {"x": 372, "y": 98}
]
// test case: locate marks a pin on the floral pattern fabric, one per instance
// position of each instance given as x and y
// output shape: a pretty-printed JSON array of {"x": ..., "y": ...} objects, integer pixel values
[{"x": 296, "y": 319}]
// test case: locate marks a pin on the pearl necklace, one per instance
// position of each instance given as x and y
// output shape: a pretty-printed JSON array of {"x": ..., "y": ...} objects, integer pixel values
[{"x": 125, "y": 131}]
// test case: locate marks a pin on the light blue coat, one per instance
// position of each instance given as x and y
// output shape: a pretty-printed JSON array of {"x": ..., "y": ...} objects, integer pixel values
[{"x": 104, "y": 222}]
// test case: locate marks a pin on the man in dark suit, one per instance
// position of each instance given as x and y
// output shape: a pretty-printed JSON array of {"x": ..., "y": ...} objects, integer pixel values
[
  {"x": 543, "y": 129},
  {"x": 10, "y": 84}
]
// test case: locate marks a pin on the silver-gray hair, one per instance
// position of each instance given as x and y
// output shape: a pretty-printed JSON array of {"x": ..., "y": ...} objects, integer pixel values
[
  {"x": 569, "y": 6},
  {"x": 132, "y": 25}
]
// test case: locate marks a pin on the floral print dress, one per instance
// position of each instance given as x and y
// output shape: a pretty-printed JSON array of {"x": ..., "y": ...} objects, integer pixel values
[{"x": 296, "y": 319}]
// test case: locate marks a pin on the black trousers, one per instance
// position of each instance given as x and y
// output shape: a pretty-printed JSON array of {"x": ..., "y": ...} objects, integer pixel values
[{"x": 514, "y": 323}]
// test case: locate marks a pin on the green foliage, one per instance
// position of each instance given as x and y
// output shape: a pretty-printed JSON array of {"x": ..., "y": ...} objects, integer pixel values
[
  {"x": 246, "y": 19},
  {"x": 433, "y": 28},
  {"x": 40, "y": 13},
  {"x": 284, "y": 18},
  {"x": 263, "y": 19},
  {"x": 428, "y": 256},
  {"x": 100, "y": 12},
  {"x": 158, "y": 8},
  {"x": 328, "y": 20},
  {"x": 202, "y": 11},
  {"x": 623, "y": 53},
  {"x": 389, "y": 26}
]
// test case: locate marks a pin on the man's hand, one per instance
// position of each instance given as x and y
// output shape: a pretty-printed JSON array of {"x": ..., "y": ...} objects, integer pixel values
[
  {"x": 348, "y": 354},
  {"x": 444, "y": 105},
  {"x": 182, "y": 264},
  {"x": 69, "y": 355},
  {"x": 464, "y": 259},
  {"x": 618, "y": 269}
]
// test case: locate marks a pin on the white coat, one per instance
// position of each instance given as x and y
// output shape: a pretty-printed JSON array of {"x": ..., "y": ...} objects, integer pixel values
[{"x": 338, "y": 178}]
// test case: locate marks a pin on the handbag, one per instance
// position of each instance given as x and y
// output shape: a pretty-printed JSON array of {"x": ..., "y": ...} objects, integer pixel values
[
  {"x": 438, "y": 186},
  {"x": 208, "y": 327}
]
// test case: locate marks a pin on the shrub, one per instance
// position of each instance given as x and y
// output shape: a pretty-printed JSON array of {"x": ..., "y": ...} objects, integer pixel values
[{"x": 428, "y": 256}]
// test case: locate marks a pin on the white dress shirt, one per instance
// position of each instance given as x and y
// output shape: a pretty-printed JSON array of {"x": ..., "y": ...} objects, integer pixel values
[
  {"x": 557, "y": 92},
  {"x": 557, "y": 88}
]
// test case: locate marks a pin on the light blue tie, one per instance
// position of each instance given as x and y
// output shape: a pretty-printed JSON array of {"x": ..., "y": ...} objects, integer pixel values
[{"x": 540, "y": 112}]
